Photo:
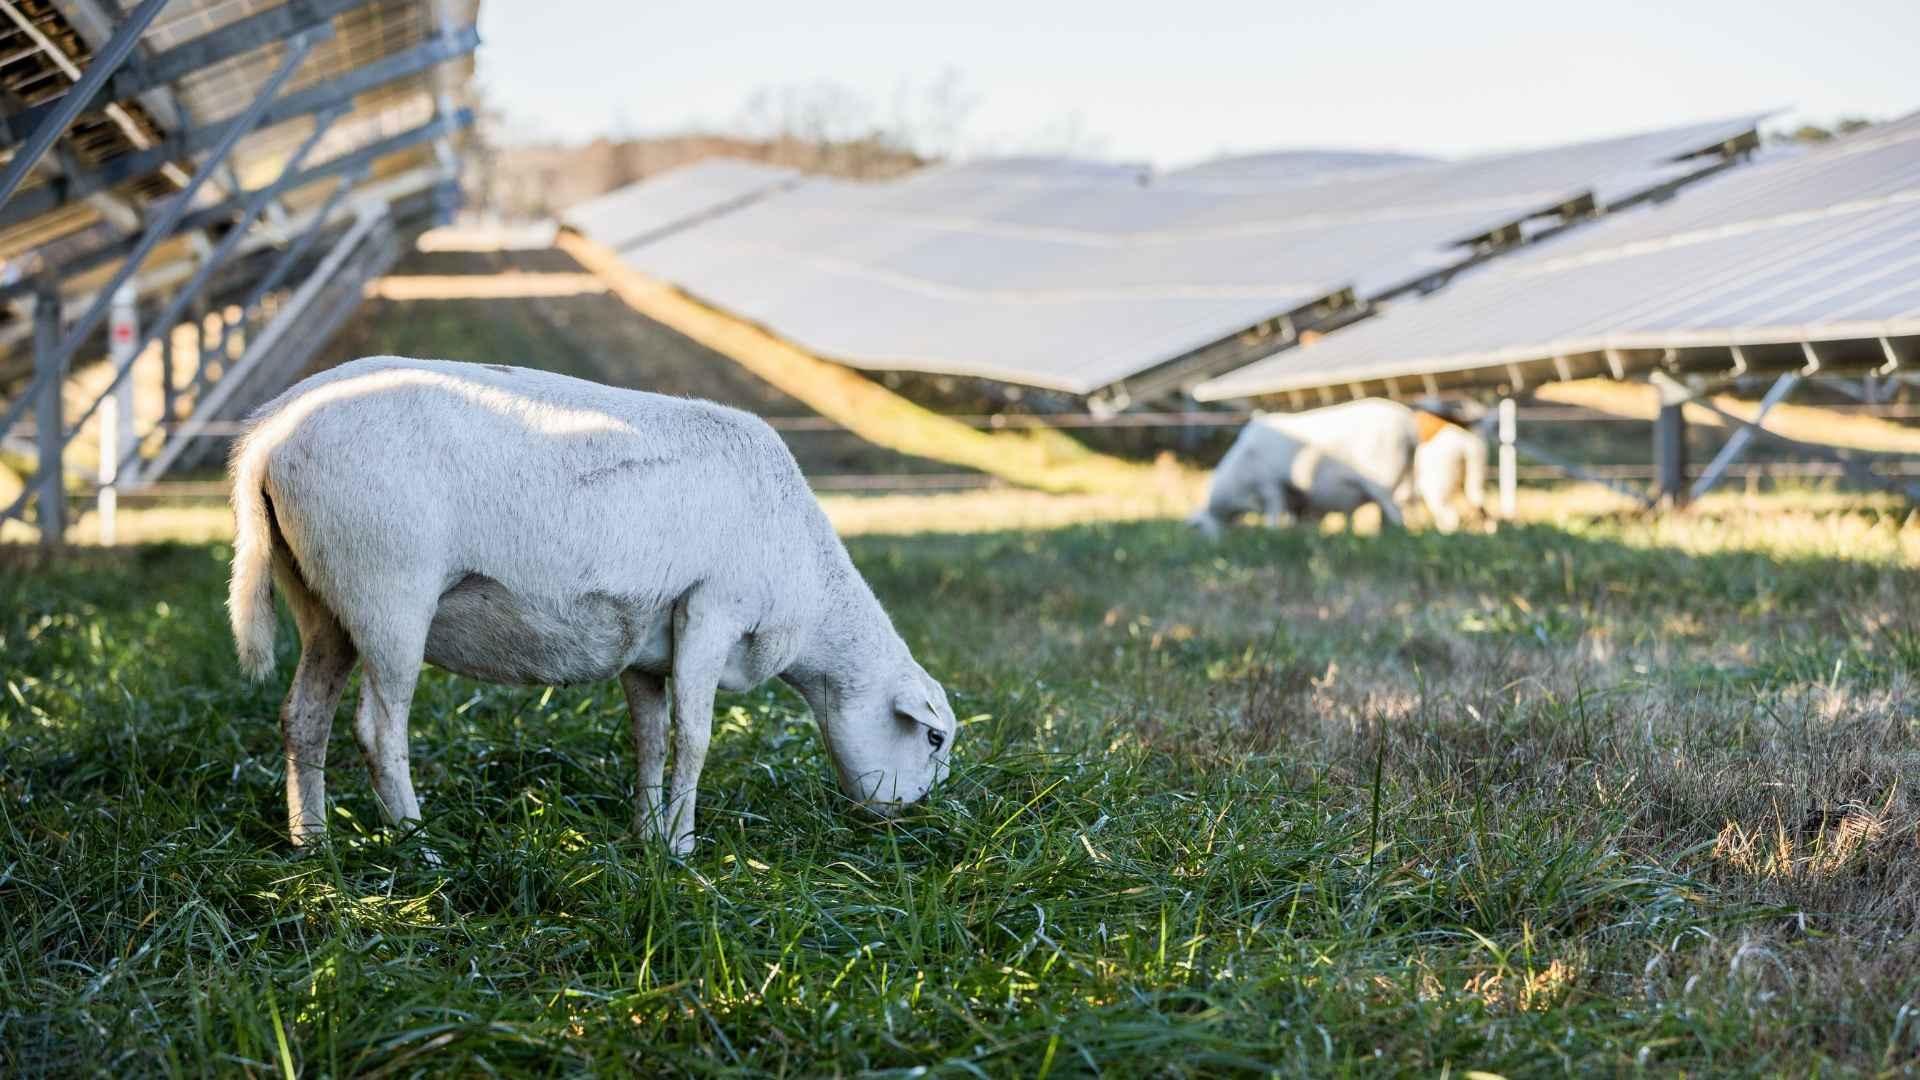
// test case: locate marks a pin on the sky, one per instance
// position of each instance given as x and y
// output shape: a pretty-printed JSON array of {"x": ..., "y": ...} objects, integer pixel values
[{"x": 1173, "y": 83}]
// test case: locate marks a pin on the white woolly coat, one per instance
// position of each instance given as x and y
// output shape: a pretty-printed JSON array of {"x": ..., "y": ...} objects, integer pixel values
[
  {"x": 1330, "y": 460},
  {"x": 523, "y": 527}
]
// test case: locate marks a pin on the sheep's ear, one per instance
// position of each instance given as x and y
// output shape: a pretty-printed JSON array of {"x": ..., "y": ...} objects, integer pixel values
[{"x": 912, "y": 704}]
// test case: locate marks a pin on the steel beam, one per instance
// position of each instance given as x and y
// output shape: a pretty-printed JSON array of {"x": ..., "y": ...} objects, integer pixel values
[
  {"x": 333, "y": 94},
  {"x": 1737, "y": 444},
  {"x": 240, "y": 36},
  {"x": 63, "y": 111}
]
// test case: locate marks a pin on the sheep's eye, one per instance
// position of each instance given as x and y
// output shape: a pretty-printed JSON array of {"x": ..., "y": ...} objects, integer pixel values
[{"x": 935, "y": 739}]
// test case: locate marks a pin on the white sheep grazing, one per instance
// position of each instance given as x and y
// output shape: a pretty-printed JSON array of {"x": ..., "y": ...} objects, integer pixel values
[
  {"x": 1306, "y": 465},
  {"x": 1450, "y": 461},
  {"x": 523, "y": 527}
]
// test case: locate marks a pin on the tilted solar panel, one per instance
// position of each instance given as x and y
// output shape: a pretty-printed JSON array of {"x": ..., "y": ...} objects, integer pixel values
[
  {"x": 1075, "y": 276},
  {"x": 1820, "y": 247}
]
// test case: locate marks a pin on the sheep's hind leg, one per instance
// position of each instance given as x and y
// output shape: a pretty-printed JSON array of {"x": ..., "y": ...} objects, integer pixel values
[
  {"x": 647, "y": 713},
  {"x": 700, "y": 647},
  {"x": 1275, "y": 506},
  {"x": 306, "y": 718},
  {"x": 390, "y": 658}
]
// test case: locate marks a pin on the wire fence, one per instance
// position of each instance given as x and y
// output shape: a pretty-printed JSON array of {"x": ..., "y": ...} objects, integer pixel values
[{"x": 933, "y": 482}]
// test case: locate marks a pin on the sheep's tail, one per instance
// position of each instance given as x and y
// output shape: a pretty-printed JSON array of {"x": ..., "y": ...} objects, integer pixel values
[{"x": 250, "y": 590}]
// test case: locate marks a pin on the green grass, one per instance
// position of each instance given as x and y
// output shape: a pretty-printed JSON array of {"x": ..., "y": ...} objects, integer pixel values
[{"x": 1617, "y": 797}]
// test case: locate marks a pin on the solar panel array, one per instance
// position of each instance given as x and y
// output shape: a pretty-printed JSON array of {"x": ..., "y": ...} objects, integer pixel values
[
  {"x": 1075, "y": 276},
  {"x": 1818, "y": 247}
]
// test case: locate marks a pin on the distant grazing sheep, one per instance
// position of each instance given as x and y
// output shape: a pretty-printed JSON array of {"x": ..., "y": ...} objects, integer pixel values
[
  {"x": 523, "y": 527},
  {"x": 1451, "y": 461},
  {"x": 1306, "y": 465}
]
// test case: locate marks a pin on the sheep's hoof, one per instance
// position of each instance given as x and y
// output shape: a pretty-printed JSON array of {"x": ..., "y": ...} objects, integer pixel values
[{"x": 683, "y": 844}]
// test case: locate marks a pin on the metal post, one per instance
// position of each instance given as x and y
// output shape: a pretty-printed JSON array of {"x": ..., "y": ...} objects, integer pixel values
[
  {"x": 116, "y": 413},
  {"x": 1509, "y": 460},
  {"x": 1670, "y": 452},
  {"x": 169, "y": 408},
  {"x": 77, "y": 98},
  {"x": 49, "y": 368},
  {"x": 198, "y": 383}
]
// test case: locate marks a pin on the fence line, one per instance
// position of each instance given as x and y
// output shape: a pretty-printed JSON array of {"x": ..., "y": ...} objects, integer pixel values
[
  {"x": 965, "y": 481},
  {"x": 1196, "y": 419}
]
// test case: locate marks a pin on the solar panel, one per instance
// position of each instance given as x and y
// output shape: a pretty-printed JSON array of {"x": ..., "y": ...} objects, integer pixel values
[
  {"x": 1286, "y": 167},
  {"x": 1075, "y": 276},
  {"x": 639, "y": 212},
  {"x": 1818, "y": 247}
]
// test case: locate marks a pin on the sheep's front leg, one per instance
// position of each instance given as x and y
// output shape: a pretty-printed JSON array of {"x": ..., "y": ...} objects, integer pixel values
[
  {"x": 699, "y": 654},
  {"x": 647, "y": 713},
  {"x": 1273, "y": 503}
]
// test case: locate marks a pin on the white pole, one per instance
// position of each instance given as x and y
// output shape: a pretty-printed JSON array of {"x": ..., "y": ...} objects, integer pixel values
[
  {"x": 116, "y": 412},
  {"x": 1509, "y": 460}
]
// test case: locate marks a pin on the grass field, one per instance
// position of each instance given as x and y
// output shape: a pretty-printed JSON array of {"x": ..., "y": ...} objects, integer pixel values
[{"x": 1619, "y": 795}]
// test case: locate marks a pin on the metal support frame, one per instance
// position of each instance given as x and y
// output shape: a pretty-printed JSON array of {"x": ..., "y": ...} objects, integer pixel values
[
  {"x": 268, "y": 340},
  {"x": 1782, "y": 388},
  {"x": 196, "y": 285},
  {"x": 240, "y": 36},
  {"x": 163, "y": 226},
  {"x": 284, "y": 263},
  {"x": 50, "y": 370},
  {"x": 1857, "y": 463},
  {"x": 48, "y": 128},
  {"x": 334, "y": 94},
  {"x": 215, "y": 215}
]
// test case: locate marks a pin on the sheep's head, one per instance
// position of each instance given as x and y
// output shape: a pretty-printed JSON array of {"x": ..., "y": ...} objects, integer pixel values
[
  {"x": 891, "y": 739},
  {"x": 1206, "y": 522}
]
